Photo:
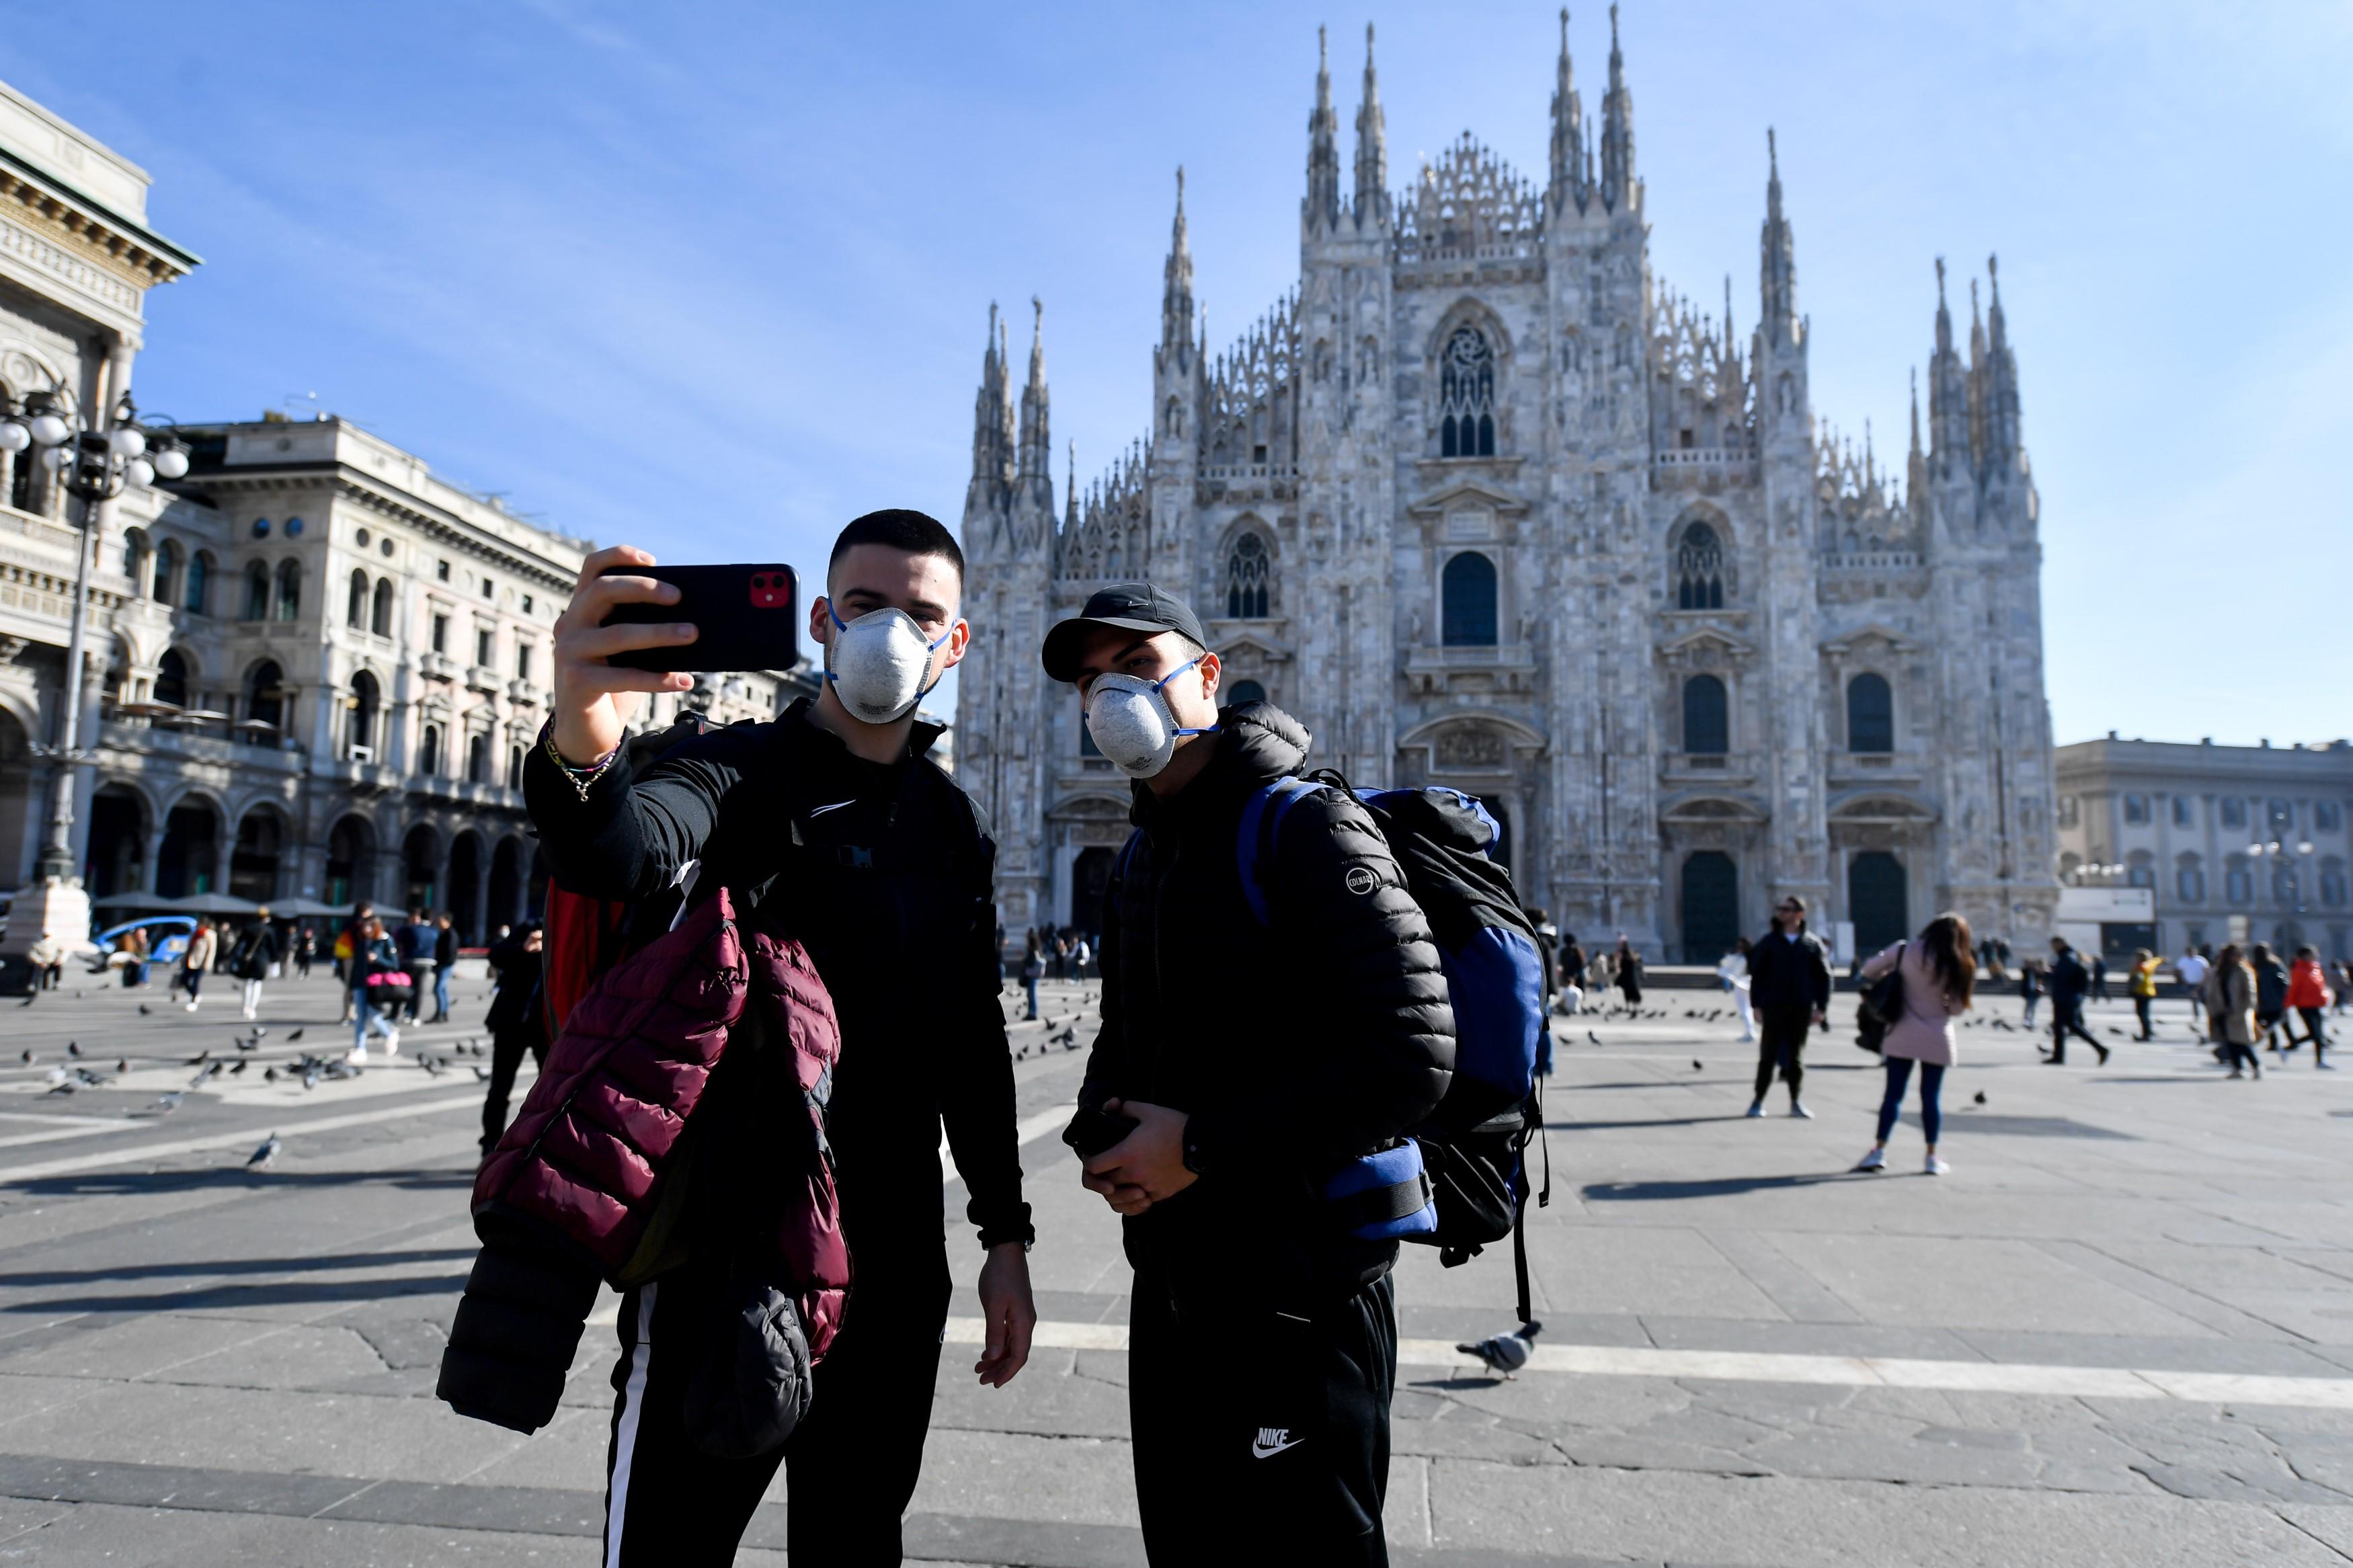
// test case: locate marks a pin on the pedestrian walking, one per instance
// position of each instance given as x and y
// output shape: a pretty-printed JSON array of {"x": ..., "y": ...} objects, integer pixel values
[
  {"x": 2069, "y": 983},
  {"x": 2344, "y": 972},
  {"x": 2308, "y": 993},
  {"x": 1627, "y": 966},
  {"x": 2099, "y": 977},
  {"x": 1732, "y": 970},
  {"x": 518, "y": 1023},
  {"x": 1033, "y": 970},
  {"x": 382, "y": 987},
  {"x": 2143, "y": 989},
  {"x": 1939, "y": 978},
  {"x": 2230, "y": 1004},
  {"x": 306, "y": 951},
  {"x": 202, "y": 948},
  {"x": 348, "y": 942},
  {"x": 2271, "y": 994},
  {"x": 1573, "y": 964},
  {"x": 1789, "y": 985},
  {"x": 251, "y": 961},
  {"x": 445, "y": 963},
  {"x": 832, "y": 821},
  {"x": 2030, "y": 985},
  {"x": 1283, "y": 1455},
  {"x": 416, "y": 941},
  {"x": 2191, "y": 968},
  {"x": 1548, "y": 960}
]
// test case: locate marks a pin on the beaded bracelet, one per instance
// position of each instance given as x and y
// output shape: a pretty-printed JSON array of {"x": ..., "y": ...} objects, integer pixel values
[{"x": 581, "y": 777}]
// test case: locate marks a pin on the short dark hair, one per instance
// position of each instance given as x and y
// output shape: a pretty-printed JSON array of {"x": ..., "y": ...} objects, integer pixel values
[{"x": 917, "y": 533}]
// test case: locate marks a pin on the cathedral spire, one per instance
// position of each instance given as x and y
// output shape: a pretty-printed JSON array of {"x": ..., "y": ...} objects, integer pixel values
[
  {"x": 1980, "y": 367},
  {"x": 1037, "y": 446},
  {"x": 2001, "y": 388},
  {"x": 1616, "y": 128},
  {"x": 1071, "y": 492},
  {"x": 1949, "y": 394},
  {"x": 1568, "y": 187},
  {"x": 1372, "y": 148},
  {"x": 1915, "y": 466},
  {"x": 989, "y": 445},
  {"x": 1322, "y": 211},
  {"x": 1777, "y": 259},
  {"x": 1176, "y": 291}
]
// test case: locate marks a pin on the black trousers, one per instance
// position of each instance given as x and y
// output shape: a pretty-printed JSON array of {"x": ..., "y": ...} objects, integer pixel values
[
  {"x": 2067, "y": 1019},
  {"x": 507, "y": 1047},
  {"x": 2140, "y": 1008},
  {"x": 849, "y": 1468},
  {"x": 1781, "y": 1043},
  {"x": 1261, "y": 1438}
]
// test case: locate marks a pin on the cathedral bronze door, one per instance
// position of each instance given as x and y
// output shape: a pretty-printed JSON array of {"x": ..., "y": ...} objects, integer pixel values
[
  {"x": 1876, "y": 900},
  {"x": 1711, "y": 905},
  {"x": 1090, "y": 882}
]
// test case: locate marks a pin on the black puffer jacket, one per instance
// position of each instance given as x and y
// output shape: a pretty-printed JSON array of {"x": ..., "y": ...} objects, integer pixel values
[
  {"x": 1785, "y": 973},
  {"x": 1294, "y": 1048}
]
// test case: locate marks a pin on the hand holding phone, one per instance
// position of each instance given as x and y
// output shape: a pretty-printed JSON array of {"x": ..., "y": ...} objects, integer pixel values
[
  {"x": 1094, "y": 1130},
  {"x": 593, "y": 699},
  {"x": 745, "y": 617}
]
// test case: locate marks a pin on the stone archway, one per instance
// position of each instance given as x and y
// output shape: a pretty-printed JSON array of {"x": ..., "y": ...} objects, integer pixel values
[
  {"x": 189, "y": 860},
  {"x": 1877, "y": 900},
  {"x": 506, "y": 898},
  {"x": 253, "y": 861},
  {"x": 351, "y": 861},
  {"x": 420, "y": 864},
  {"x": 115, "y": 858}
]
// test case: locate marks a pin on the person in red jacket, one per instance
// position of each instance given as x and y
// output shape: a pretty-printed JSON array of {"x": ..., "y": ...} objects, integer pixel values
[{"x": 2308, "y": 993}]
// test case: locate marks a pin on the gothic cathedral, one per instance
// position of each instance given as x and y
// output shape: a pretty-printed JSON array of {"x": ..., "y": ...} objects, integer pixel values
[{"x": 1485, "y": 503}]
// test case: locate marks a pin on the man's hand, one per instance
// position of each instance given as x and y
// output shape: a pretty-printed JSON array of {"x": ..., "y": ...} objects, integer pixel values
[
  {"x": 1009, "y": 1313},
  {"x": 1146, "y": 1166},
  {"x": 1821, "y": 1019},
  {"x": 591, "y": 702}
]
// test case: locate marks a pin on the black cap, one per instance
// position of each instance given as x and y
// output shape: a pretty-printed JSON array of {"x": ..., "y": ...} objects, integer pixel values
[{"x": 1130, "y": 607}]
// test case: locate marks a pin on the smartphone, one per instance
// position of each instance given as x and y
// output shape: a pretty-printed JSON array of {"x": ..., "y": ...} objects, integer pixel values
[
  {"x": 747, "y": 617},
  {"x": 1094, "y": 1130}
]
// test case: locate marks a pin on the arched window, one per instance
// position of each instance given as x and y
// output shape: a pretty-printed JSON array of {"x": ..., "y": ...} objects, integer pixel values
[
  {"x": 257, "y": 592},
  {"x": 264, "y": 703},
  {"x": 514, "y": 767},
  {"x": 1466, "y": 396},
  {"x": 1707, "y": 723},
  {"x": 478, "y": 759},
  {"x": 1870, "y": 714},
  {"x": 172, "y": 679},
  {"x": 2190, "y": 881},
  {"x": 2238, "y": 882},
  {"x": 1699, "y": 570},
  {"x": 169, "y": 560},
  {"x": 134, "y": 562},
  {"x": 289, "y": 590},
  {"x": 1468, "y": 590},
  {"x": 1245, "y": 691},
  {"x": 356, "y": 605},
  {"x": 380, "y": 621},
  {"x": 199, "y": 596},
  {"x": 359, "y": 733},
  {"x": 428, "y": 751},
  {"x": 1249, "y": 572}
]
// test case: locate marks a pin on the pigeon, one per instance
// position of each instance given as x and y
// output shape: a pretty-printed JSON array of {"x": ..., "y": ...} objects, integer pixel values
[
  {"x": 57, "y": 1074},
  {"x": 1505, "y": 1353},
  {"x": 236, "y": 1070},
  {"x": 64, "y": 1085},
  {"x": 27, "y": 1058},
  {"x": 1977, "y": 1098},
  {"x": 432, "y": 1068},
  {"x": 73, "y": 1048},
  {"x": 294, "y": 1037},
  {"x": 481, "y": 1075},
  {"x": 122, "y": 1064},
  {"x": 85, "y": 1076},
  {"x": 169, "y": 1102},
  {"x": 142, "y": 1009},
  {"x": 259, "y": 1030},
  {"x": 1697, "y": 1065},
  {"x": 309, "y": 1077},
  {"x": 261, "y": 1159},
  {"x": 247, "y": 1044},
  {"x": 199, "y": 1059},
  {"x": 269, "y": 1075},
  {"x": 204, "y": 1072},
  {"x": 1592, "y": 1036}
]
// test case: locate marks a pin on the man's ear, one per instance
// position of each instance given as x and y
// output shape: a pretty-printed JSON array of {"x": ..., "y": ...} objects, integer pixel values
[
  {"x": 821, "y": 620},
  {"x": 959, "y": 640},
  {"x": 1211, "y": 670}
]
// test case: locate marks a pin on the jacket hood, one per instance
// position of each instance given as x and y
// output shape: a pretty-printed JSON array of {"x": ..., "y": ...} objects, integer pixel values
[{"x": 1256, "y": 743}]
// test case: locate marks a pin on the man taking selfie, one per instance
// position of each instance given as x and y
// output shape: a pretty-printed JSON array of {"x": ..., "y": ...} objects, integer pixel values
[
  {"x": 1239, "y": 1067},
  {"x": 827, "y": 823}
]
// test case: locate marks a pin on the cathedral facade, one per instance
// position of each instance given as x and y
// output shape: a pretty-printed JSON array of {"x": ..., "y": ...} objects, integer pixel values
[{"x": 1486, "y": 503}]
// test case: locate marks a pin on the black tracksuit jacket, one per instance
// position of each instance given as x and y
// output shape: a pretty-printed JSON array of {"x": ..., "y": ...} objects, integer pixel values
[
  {"x": 1293, "y": 1048},
  {"x": 884, "y": 873},
  {"x": 1784, "y": 974}
]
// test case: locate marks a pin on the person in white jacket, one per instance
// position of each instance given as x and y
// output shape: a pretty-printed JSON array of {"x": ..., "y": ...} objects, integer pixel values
[{"x": 1732, "y": 970}]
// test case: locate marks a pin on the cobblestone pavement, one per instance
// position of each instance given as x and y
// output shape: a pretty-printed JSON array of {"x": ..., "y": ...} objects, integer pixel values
[{"x": 2120, "y": 1331}]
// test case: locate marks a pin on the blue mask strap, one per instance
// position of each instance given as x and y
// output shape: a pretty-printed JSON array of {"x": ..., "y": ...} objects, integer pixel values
[{"x": 1173, "y": 674}]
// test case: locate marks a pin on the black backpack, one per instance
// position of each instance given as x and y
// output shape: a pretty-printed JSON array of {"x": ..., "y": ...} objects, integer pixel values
[{"x": 1459, "y": 1183}]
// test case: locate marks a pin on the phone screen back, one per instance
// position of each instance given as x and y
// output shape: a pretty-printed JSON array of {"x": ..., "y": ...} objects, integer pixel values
[{"x": 746, "y": 617}]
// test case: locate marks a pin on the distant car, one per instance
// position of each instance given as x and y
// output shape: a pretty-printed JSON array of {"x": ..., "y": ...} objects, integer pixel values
[{"x": 167, "y": 939}]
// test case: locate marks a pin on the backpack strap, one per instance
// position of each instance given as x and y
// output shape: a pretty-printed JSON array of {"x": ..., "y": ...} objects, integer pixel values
[{"x": 1262, "y": 817}]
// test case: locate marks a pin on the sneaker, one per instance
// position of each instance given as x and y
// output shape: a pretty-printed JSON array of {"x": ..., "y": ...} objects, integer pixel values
[
  {"x": 2325, "y": 1067},
  {"x": 1797, "y": 1109},
  {"x": 358, "y": 1054},
  {"x": 1874, "y": 1161},
  {"x": 192, "y": 1006},
  {"x": 1935, "y": 1167},
  {"x": 392, "y": 1044},
  {"x": 1756, "y": 1108}
]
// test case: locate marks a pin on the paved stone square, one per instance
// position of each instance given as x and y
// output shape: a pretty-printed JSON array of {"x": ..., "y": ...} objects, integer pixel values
[{"x": 2121, "y": 1331}]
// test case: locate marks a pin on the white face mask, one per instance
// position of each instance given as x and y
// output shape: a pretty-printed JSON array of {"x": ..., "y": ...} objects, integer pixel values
[
  {"x": 879, "y": 665},
  {"x": 1132, "y": 723}
]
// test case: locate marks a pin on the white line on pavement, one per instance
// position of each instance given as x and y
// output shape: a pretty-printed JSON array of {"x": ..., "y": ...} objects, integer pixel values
[
  {"x": 73, "y": 1162},
  {"x": 1863, "y": 1372}
]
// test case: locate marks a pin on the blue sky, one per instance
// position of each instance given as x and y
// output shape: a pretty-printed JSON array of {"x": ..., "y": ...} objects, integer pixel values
[{"x": 716, "y": 279}]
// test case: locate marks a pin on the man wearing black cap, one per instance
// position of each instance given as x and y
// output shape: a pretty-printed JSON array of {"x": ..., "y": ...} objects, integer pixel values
[{"x": 1237, "y": 1067}]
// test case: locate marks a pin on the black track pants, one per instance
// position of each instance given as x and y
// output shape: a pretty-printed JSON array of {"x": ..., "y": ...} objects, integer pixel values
[
  {"x": 507, "y": 1047},
  {"x": 1781, "y": 1043},
  {"x": 850, "y": 1468},
  {"x": 1261, "y": 1439}
]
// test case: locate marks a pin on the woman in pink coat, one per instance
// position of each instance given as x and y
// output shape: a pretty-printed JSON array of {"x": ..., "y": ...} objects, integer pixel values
[{"x": 1940, "y": 972}]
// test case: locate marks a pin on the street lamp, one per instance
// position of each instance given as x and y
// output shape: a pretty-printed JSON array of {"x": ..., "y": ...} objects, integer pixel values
[{"x": 94, "y": 460}]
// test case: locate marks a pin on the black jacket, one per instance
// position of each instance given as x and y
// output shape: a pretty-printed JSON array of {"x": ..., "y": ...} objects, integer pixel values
[
  {"x": 519, "y": 1004},
  {"x": 445, "y": 946},
  {"x": 1293, "y": 1048},
  {"x": 255, "y": 950},
  {"x": 2069, "y": 979},
  {"x": 885, "y": 873},
  {"x": 1785, "y": 973}
]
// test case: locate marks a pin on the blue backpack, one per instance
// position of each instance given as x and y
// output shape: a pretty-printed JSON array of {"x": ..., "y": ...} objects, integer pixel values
[{"x": 1460, "y": 1182}]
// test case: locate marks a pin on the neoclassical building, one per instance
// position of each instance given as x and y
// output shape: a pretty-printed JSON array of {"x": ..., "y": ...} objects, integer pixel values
[
  {"x": 312, "y": 664},
  {"x": 1486, "y": 503}
]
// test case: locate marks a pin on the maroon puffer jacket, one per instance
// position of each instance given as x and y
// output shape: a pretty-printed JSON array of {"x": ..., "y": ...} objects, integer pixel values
[{"x": 602, "y": 1125}]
